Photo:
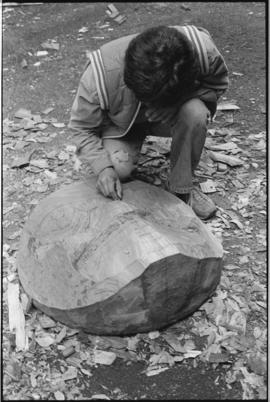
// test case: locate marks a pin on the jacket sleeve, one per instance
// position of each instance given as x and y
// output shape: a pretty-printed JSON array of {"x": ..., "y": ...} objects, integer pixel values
[
  {"x": 86, "y": 120},
  {"x": 216, "y": 81}
]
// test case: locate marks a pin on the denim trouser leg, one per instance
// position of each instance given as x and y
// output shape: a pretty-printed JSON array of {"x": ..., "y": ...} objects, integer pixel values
[{"x": 188, "y": 138}]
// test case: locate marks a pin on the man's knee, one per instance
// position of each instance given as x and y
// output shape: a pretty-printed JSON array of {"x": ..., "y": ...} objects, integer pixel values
[
  {"x": 123, "y": 164},
  {"x": 194, "y": 112}
]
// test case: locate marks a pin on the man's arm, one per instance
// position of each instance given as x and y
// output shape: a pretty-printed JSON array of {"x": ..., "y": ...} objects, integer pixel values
[
  {"x": 86, "y": 120},
  {"x": 215, "y": 83}
]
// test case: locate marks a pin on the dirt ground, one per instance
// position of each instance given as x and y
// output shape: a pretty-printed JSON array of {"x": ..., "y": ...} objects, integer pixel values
[{"x": 232, "y": 359}]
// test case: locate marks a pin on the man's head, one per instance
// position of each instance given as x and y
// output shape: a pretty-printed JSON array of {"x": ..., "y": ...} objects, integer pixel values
[{"x": 160, "y": 66}]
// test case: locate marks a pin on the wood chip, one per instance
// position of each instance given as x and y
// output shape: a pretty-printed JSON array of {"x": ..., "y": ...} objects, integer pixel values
[
  {"x": 120, "y": 19},
  {"x": 12, "y": 277},
  {"x": 227, "y": 146},
  {"x": 184, "y": 7},
  {"x": 231, "y": 267},
  {"x": 261, "y": 145},
  {"x": 27, "y": 124},
  {"x": 42, "y": 188},
  {"x": 229, "y": 160},
  {"x": 154, "y": 334},
  {"x": 74, "y": 360},
  {"x": 178, "y": 359},
  {"x": 113, "y": 342},
  {"x": 40, "y": 163},
  {"x": 20, "y": 162},
  {"x": 26, "y": 303},
  {"x": 45, "y": 340},
  {"x": 51, "y": 175},
  {"x": 237, "y": 74},
  {"x": 46, "y": 322},
  {"x": 68, "y": 351},
  {"x": 28, "y": 181},
  {"x": 218, "y": 358},
  {"x": 70, "y": 374},
  {"x": 192, "y": 354},
  {"x": 42, "y": 126},
  {"x": 71, "y": 332},
  {"x": 227, "y": 106},
  {"x": 71, "y": 148},
  {"x": 50, "y": 45},
  {"x": 257, "y": 332},
  {"x": 20, "y": 145},
  {"x": 174, "y": 342},
  {"x": 222, "y": 167},
  {"x": 63, "y": 156},
  {"x": 37, "y": 118},
  {"x": 62, "y": 334},
  {"x": 104, "y": 357},
  {"x": 33, "y": 380},
  {"x": 86, "y": 372},
  {"x": 112, "y": 11},
  {"x": 155, "y": 371},
  {"x": 132, "y": 343},
  {"x": 237, "y": 223},
  {"x": 262, "y": 109},
  {"x": 51, "y": 154},
  {"x": 208, "y": 186},
  {"x": 8, "y": 209},
  {"x": 41, "y": 53},
  {"x": 83, "y": 30},
  {"x": 59, "y": 396},
  {"x": 243, "y": 260},
  {"x": 48, "y": 110},
  {"x": 261, "y": 304},
  {"x": 162, "y": 357},
  {"x": 24, "y": 63},
  {"x": 13, "y": 370},
  {"x": 23, "y": 113},
  {"x": 257, "y": 363},
  {"x": 77, "y": 163},
  {"x": 16, "y": 316},
  {"x": 59, "y": 125}
]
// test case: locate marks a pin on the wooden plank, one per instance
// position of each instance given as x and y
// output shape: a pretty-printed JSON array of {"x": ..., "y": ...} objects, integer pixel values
[
  {"x": 16, "y": 316},
  {"x": 11, "y": 4}
]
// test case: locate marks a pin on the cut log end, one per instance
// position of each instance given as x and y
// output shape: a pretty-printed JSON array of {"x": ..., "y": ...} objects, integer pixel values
[
  {"x": 168, "y": 291},
  {"x": 117, "y": 267}
]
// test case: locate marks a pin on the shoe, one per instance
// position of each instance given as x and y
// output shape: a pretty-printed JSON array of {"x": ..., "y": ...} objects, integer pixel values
[{"x": 201, "y": 204}]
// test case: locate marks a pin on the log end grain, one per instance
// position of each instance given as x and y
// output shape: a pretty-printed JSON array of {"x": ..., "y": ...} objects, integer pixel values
[{"x": 117, "y": 267}]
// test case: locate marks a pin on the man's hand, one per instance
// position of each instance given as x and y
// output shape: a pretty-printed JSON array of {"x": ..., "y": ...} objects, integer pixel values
[
  {"x": 108, "y": 184},
  {"x": 165, "y": 115}
]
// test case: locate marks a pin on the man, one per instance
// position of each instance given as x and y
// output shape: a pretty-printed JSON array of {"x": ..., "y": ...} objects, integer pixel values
[{"x": 165, "y": 82}]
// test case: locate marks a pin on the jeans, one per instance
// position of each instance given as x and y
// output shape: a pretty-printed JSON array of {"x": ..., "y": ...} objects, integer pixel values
[{"x": 188, "y": 138}]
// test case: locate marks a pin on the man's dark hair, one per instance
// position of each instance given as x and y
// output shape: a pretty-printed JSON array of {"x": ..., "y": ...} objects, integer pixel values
[{"x": 161, "y": 66}]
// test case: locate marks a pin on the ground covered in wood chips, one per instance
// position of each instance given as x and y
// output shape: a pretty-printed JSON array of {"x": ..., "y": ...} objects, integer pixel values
[{"x": 220, "y": 351}]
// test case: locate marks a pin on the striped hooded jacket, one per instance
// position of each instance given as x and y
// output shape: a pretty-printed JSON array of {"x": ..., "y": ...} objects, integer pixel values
[{"x": 103, "y": 100}]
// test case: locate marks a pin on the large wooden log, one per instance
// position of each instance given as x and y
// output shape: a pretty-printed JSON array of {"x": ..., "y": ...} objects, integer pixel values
[{"x": 117, "y": 267}]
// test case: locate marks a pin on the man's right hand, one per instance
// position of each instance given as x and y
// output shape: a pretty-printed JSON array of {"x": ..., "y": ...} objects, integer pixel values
[{"x": 108, "y": 184}]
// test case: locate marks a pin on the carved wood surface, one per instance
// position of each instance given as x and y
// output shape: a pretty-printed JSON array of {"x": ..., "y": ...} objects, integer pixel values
[{"x": 117, "y": 267}]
